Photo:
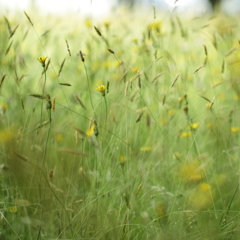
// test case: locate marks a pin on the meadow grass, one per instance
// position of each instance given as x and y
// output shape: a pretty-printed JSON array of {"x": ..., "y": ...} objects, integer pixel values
[{"x": 119, "y": 128}]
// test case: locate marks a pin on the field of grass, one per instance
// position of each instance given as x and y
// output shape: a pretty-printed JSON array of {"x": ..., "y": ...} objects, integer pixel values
[{"x": 120, "y": 128}]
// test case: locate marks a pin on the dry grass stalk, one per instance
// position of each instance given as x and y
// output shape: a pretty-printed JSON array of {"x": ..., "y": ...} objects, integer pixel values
[
  {"x": 139, "y": 82},
  {"x": 180, "y": 26},
  {"x": 47, "y": 64},
  {"x": 13, "y": 32},
  {"x": 164, "y": 99},
  {"x": 198, "y": 69},
  {"x": 52, "y": 173},
  {"x": 3, "y": 77},
  {"x": 113, "y": 116},
  {"x": 205, "y": 50},
  {"x": 65, "y": 84},
  {"x": 134, "y": 95},
  {"x": 61, "y": 67},
  {"x": 217, "y": 84},
  {"x": 71, "y": 151},
  {"x": 9, "y": 47},
  {"x": 69, "y": 52},
  {"x": 230, "y": 51},
  {"x": 148, "y": 120},
  {"x": 154, "y": 11},
  {"x": 126, "y": 89},
  {"x": 154, "y": 61},
  {"x": 230, "y": 117},
  {"x": 139, "y": 117},
  {"x": 139, "y": 189},
  {"x": 39, "y": 96},
  {"x": 205, "y": 98},
  {"x": 20, "y": 156},
  {"x": 53, "y": 103},
  {"x": 111, "y": 51},
  {"x": 211, "y": 104},
  {"x": 80, "y": 101},
  {"x": 40, "y": 125},
  {"x": 223, "y": 66},
  {"x": 175, "y": 80},
  {"x": 19, "y": 79},
  {"x": 81, "y": 56},
  {"x": 98, "y": 32},
  {"x": 79, "y": 131},
  {"x": 108, "y": 83},
  {"x": 22, "y": 104},
  {"x": 159, "y": 75},
  {"x": 28, "y": 18},
  {"x": 55, "y": 188},
  {"x": 96, "y": 132},
  {"x": 185, "y": 109},
  {"x": 145, "y": 75},
  {"x": 8, "y": 26}
]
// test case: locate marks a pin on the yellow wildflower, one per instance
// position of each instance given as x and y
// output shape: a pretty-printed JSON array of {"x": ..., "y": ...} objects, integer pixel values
[
  {"x": 145, "y": 149},
  {"x": 3, "y": 108},
  {"x": 161, "y": 211},
  {"x": 59, "y": 137},
  {"x": 6, "y": 136},
  {"x": 209, "y": 125},
  {"x": 107, "y": 24},
  {"x": 135, "y": 40},
  {"x": 186, "y": 134},
  {"x": 122, "y": 160},
  {"x": 209, "y": 105},
  {"x": 88, "y": 23},
  {"x": 235, "y": 129},
  {"x": 171, "y": 112},
  {"x": 13, "y": 209},
  {"x": 191, "y": 172},
  {"x": 42, "y": 60},
  {"x": 90, "y": 131},
  {"x": 135, "y": 69},
  {"x": 155, "y": 26},
  {"x": 102, "y": 89},
  {"x": 106, "y": 64},
  {"x": 202, "y": 197},
  {"x": 194, "y": 126}
]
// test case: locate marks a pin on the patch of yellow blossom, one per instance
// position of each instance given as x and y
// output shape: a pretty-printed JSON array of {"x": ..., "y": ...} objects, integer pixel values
[
  {"x": 202, "y": 197},
  {"x": 3, "y": 108},
  {"x": 191, "y": 172},
  {"x": 59, "y": 137},
  {"x": 88, "y": 23},
  {"x": 135, "y": 40},
  {"x": 194, "y": 126},
  {"x": 171, "y": 112},
  {"x": 122, "y": 160},
  {"x": 156, "y": 26},
  {"x": 235, "y": 129},
  {"x": 145, "y": 149},
  {"x": 186, "y": 134},
  {"x": 6, "y": 135},
  {"x": 90, "y": 131},
  {"x": 13, "y": 209},
  {"x": 135, "y": 69}
]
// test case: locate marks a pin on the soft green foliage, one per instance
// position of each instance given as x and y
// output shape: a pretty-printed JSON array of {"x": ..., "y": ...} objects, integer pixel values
[{"x": 144, "y": 139}]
